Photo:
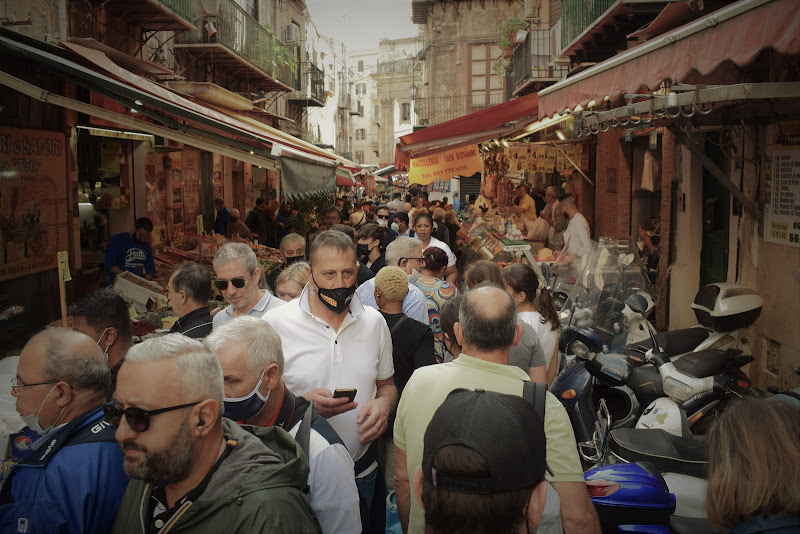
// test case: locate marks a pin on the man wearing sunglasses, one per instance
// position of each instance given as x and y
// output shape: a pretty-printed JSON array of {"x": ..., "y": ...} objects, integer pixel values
[
  {"x": 193, "y": 471},
  {"x": 383, "y": 217},
  {"x": 332, "y": 341},
  {"x": 72, "y": 480},
  {"x": 238, "y": 274},
  {"x": 250, "y": 353}
]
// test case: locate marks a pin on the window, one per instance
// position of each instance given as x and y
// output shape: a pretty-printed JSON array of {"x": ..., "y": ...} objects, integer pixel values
[
  {"x": 360, "y": 65},
  {"x": 377, "y": 115},
  {"x": 486, "y": 88},
  {"x": 359, "y": 157},
  {"x": 360, "y": 109},
  {"x": 361, "y": 89},
  {"x": 361, "y": 134},
  {"x": 405, "y": 112}
]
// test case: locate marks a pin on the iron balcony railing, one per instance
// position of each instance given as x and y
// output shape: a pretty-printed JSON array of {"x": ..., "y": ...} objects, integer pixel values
[
  {"x": 578, "y": 15},
  {"x": 313, "y": 81},
  {"x": 182, "y": 8},
  {"x": 440, "y": 109},
  {"x": 235, "y": 29},
  {"x": 532, "y": 59}
]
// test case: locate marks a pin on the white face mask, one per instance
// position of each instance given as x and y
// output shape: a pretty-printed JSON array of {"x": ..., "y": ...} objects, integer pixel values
[
  {"x": 105, "y": 351},
  {"x": 395, "y": 227},
  {"x": 415, "y": 274},
  {"x": 382, "y": 222},
  {"x": 32, "y": 420}
]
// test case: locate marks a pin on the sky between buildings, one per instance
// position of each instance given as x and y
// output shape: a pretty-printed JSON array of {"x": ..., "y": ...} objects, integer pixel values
[{"x": 361, "y": 24}]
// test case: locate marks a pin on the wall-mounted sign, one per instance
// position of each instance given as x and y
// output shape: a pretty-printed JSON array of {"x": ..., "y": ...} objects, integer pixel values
[{"x": 464, "y": 161}]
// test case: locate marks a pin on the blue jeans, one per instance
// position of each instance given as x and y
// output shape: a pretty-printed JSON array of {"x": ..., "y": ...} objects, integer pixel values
[{"x": 372, "y": 506}]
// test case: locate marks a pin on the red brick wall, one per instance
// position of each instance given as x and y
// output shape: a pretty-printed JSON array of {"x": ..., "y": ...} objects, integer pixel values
[{"x": 613, "y": 210}]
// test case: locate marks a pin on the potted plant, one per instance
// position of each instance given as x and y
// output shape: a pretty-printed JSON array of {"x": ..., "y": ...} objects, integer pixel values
[
  {"x": 508, "y": 33},
  {"x": 502, "y": 67}
]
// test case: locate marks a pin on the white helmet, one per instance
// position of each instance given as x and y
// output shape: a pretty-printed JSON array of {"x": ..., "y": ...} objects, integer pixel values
[{"x": 665, "y": 414}]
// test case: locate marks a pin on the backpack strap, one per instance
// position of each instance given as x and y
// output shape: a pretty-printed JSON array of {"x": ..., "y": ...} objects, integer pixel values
[
  {"x": 397, "y": 325},
  {"x": 303, "y": 435},
  {"x": 534, "y": 392}
]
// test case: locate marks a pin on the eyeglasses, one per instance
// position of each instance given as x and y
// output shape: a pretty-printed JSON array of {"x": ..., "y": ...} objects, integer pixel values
[
  {"x": 382, "y": 217},
  {"x": 16, "y": 383},
  {"x": 138, "y": 419},
  {"x": 222, "y": 285},
  {"x": 420, "y": 259}
]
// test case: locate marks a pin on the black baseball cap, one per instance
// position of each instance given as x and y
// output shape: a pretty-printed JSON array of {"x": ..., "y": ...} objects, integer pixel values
[{"x": 504, "y": 430}]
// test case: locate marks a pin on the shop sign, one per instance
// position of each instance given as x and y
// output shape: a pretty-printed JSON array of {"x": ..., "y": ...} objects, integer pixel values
[
  {"x": 782, "y": 206},
  {"x": 463, "y": 161},
  {"x": 133, "y": 136},
  {"x": 33, "y": 201}
]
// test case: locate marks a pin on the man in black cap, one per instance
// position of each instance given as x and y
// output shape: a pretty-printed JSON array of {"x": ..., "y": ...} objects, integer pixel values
[{"x": 483, "y": 465}]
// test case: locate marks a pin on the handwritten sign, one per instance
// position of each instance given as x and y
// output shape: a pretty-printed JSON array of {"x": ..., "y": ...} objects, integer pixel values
[
  {"x": 782, "y": 209},
  {"x": 63, "y": 266},
  {"x": 463, "y": 161},
  {"x": 531, "y": 157}
]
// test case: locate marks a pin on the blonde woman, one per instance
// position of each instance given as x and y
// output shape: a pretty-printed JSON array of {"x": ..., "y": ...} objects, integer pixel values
[
  {"x": 290, "y": 283},
  {"x": 754, "y": 468}
]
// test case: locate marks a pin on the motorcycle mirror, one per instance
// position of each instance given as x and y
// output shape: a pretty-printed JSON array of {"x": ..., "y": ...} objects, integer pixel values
[
  {"x": 546, "y": 272},
  {"x": 627, "y": 259},
  {"x": 637, "y": 303}
]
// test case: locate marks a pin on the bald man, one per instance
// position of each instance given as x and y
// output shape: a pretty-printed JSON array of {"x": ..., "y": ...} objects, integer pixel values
[
  {"x": 486, "y": 329},
  {"x": 72, "y": 480}
]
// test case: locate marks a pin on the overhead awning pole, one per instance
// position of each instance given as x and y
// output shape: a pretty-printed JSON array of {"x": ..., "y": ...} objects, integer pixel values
[
  {"x": 717, "y": 173},
  {"x": 573, "y": 163},
  {"x": 43, "y": 95}
]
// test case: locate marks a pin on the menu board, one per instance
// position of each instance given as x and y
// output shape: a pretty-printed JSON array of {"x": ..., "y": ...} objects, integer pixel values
[{"x": 782, "y": 206}]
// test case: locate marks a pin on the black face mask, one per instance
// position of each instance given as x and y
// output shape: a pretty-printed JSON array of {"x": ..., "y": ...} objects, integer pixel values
[
  {"x": 362, "y": 250},
  {"x": 337, "y": 299},
  {"x": 293, "y": 259}
]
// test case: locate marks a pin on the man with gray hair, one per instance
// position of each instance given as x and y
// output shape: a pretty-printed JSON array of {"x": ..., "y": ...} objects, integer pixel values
[
  {"x": 293, "y": 249},
  {"x": 331, "y": 342},
  {"x": 250, "y": 353},
  {"x": 486, "y": 329},
  {"x": 238, "y": 275},
  {"x": 192, "y": 470},
  {"x": 189, "y": 291},
  {"x": 406, "y": 253},
  {"x": 72, "y": 479}
]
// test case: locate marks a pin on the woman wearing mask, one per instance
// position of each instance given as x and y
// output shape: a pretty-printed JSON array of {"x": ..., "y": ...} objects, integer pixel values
[
  {"x": 437, "y": 291},
  {"x": 369, "y": 246},
  {"x": 754, "y": 468},
  {"x": 291, "y": 281},
  {"x": 423, "y": 226},
  {"x": 535, "y": 307}
]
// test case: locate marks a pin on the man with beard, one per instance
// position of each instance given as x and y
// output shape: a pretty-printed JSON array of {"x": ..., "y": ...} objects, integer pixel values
[
  {"x": 193, "y": 470},
  {"x": 332, "y": 341},
  {"x": 238, "y": 274},
  {"x": 72, "y": 480},
  {"x": 130, "y": 251}
]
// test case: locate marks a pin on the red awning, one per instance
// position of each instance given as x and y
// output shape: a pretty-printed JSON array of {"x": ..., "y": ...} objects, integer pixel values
[
  {"x": 735, "y": 33},
  {"x": 479, "y": 121}
]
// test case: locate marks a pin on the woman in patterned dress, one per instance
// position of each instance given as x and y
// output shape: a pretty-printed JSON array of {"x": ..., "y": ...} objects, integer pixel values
[{"x": 437, "y": 291}]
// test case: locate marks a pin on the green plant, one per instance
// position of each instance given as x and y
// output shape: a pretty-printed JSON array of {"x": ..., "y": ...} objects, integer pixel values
[
  {"x": 508, "y": 28},
  {"x": 502, "y": 67},
  {"x": 309, "y": 212}
]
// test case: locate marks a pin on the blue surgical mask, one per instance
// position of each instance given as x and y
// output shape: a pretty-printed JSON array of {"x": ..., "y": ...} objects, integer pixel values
[{"x": 247, "y": 407}]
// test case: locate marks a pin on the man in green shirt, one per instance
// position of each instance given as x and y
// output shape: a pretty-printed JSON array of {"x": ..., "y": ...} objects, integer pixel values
[{"x": 487, "y": 329}]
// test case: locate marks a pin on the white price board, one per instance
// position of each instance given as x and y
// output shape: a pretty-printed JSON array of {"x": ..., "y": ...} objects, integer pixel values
[{"x": 782, "y": 209}]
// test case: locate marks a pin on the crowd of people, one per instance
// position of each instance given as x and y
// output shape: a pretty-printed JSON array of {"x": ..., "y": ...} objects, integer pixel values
[{"x": 356, "y": 368}]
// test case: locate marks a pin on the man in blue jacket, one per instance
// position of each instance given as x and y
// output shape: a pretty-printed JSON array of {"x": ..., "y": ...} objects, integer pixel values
[
  {"x": 72, "y": 481},
  {"x": 130, "y": 251}
]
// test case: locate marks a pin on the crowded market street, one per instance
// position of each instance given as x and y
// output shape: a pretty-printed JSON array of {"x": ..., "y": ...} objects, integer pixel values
[{"x": 399, "y": 266}]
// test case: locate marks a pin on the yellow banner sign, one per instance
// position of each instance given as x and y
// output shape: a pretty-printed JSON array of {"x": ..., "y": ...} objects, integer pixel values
[{"x": 464, "y": 161}]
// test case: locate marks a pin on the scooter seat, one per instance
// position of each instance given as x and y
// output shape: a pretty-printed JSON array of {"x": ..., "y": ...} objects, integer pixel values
[
  {"x": 702, "y": 364},
  {"x": 667, "y": 452},
  {"x": 675, "y": 342}
]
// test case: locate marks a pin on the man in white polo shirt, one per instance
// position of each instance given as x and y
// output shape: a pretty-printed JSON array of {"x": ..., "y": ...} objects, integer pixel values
[
  {"x": 332, "y": 341},
  {"x": 238, "y": 274}
]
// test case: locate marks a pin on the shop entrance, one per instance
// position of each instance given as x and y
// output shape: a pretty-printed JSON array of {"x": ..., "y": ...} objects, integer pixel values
[{"x": 716, "y": 218}]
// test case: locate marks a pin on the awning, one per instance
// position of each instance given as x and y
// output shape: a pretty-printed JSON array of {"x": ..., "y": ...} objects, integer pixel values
[
  {"x": 386, "y": 170},
  {"x": 494, "y": 121},
  {"x": 344, "y": 178},
  {"x": 734, "y": 33},
  {"x": 301, "y": 179}
]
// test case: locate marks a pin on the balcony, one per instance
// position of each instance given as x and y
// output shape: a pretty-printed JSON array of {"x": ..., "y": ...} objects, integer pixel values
[
  {"x": 532, "y": 65},
  {"x": 152, "y": 15},
  {"x": 435, "y": 110},
  {"x": 595, "y": 30},
  {"x": 232, "y": 40},
  {"x": 311, "y": 90}
]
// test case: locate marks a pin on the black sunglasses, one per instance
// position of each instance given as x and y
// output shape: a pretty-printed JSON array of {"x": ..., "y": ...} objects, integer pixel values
[
  {"x": 138, "y": 419},
  {"x": 382, "y": 217},
  {"x": 222, "y": 285}
]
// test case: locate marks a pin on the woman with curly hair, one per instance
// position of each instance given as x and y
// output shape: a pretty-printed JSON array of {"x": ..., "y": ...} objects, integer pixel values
[{"x": 437, "y": 291}]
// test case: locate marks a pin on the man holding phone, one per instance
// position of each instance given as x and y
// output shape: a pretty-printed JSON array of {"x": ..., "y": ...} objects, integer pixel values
[
  {"x": 332, "y": 341},
  {"x": 237, "y": 271}
]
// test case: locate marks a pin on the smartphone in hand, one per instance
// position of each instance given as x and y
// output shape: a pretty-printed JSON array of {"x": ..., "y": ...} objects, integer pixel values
[{"x": 349, "y": 393}]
